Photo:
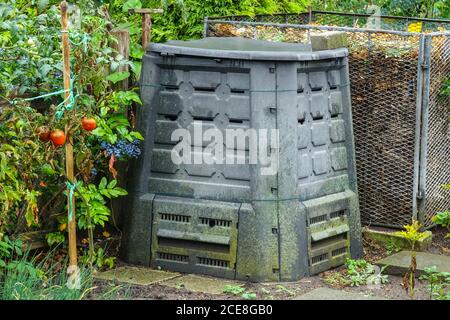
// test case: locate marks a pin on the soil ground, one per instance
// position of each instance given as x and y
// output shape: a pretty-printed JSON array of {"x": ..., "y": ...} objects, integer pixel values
[{"x": 286, "y": 291}]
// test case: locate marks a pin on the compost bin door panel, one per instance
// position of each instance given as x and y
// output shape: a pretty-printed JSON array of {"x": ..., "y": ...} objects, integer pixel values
[{"x": 197, "y": 236}]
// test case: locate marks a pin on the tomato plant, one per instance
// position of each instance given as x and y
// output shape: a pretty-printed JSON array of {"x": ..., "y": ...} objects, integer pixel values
[{"x": 32, "y": 171}]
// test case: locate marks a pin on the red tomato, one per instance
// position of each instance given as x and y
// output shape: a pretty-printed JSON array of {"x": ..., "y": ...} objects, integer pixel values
[
  {"x": 58, "y": 137},
  {"x": 88, "y": 124}
]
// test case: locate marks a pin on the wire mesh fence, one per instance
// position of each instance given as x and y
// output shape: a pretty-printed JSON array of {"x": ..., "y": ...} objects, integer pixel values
[{"x": 399, "y": 68}]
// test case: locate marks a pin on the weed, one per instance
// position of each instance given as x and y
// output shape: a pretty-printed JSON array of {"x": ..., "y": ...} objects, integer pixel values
[
  {"x": 359, "y": 272},
  {"x": 392, "y": 247},
  {"x": 412, "y": 234},
  {"x": 438, "y": 283},
  {"x": 239, "y": 290}
]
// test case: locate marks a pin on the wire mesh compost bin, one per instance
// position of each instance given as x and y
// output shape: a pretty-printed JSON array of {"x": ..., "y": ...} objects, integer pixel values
[
  {"x": 399, "y": 69},
  {"x": 235, "y": 219}
]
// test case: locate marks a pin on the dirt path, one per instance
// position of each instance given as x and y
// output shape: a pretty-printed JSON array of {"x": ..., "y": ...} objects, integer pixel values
[
  {"x": 274, "y": 291},
  {"x": 283, "y": 291}
]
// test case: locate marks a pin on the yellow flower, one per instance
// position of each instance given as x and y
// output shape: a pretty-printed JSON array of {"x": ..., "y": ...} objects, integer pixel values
[
  {"x": 62, "y": 226},
  {"x": 106, "y": 234},
  {"x": 415, "y": 27}
]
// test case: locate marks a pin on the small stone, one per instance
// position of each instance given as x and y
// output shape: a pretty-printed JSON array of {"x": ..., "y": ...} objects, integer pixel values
[
  {"x": 398, "y": 263},
  {"x": 384, "y": 238},
  {"x": 136, "y": 275},
  {"x": 328, "y": 40},
  {"x": 197, "y": 283}
]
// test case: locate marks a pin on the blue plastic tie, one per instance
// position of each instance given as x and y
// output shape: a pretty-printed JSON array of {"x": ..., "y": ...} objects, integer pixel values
[{"x": 72, "y": 187}]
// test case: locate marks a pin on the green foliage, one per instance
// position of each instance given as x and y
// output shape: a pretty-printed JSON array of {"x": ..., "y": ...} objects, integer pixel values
[
  {"x": 95, "y": 197},
  {"x": 27, "y": 278},
  {"x": 239, "y": 290},
  {"x": 283, "y": 289},
  {"x": 8, "y": 249},
  {"x": 357, "y": 273},
  {"x": 113, "y": 125},
  {"x": 336, "y": 279},
  {"x": 361, "y": 272},
  {"x": 32, "y": 174},
  {"x": 412, "y": 233},
  {"x": 101, "y": 260},
  {"x": 24, "y": 164},
  {"x": 438, "y": 283},
  {"x": 392, "y": 247},
  {"x": 30, "y": 59},
  {"x": 55, "y": 238},
  {"x": 249, "y": 295},
  {"x": 233, "y": 289},
  {"x": 443, "y": 219},
  {"x": 410, "y": 8}
]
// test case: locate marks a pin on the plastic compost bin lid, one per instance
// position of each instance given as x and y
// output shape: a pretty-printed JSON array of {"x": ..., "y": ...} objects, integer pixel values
[{"x": 245, "y": 49}]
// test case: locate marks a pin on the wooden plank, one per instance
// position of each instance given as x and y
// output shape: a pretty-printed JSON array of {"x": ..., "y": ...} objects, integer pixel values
[{"x": 122, "y": 47}]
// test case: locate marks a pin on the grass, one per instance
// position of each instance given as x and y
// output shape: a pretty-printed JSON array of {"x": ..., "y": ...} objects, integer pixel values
[{"x": 31, "y": 278}]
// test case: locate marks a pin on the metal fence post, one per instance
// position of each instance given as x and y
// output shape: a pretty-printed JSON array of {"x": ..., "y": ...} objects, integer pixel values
[{"x": 424, "y": 127}]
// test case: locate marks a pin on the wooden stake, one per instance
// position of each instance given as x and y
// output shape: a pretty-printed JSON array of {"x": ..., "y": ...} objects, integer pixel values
[
  {"x": 72, "y": 225},
  {"x": 123, "y": 48},
  {"x": 146, "y": 23}
]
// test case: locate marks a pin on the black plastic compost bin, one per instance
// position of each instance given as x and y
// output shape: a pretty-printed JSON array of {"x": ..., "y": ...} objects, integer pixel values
[{"x": 231, "y": 220}]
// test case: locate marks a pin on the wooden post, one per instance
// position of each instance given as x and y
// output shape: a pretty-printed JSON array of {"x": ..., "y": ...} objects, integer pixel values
[
  {"x": 72, "y": 225},
  {"x": 123, "y": 48},
  {"x": 146, "y": 23}
]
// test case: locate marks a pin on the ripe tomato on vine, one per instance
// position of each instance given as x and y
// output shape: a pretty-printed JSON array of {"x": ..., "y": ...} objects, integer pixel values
[
  {"x": 88, "y": 124},
  {"x": 58, "y": 137}
]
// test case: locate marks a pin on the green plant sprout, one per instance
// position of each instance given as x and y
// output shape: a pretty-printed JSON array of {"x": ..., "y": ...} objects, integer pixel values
[
  {"x": 438, "y": 283},
  {"x": 412, "y": 234}
]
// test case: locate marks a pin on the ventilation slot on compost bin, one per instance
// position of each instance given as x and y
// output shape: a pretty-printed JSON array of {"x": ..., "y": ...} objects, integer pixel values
[
  {"x": 337, "y": 214},
  {"x": 318, "y": 219},
  {"x": 236, "y": 121},
  {"x": 215, "y": 222},
  {"x": 315, "y": 118},
  {"x": 170, "y": 117},
  {"x": 171, "y": 88},
  {"x": 202, "y": 89},
  {"x": 338, "y": 252},
  {"x": 213, "y": 262},
  {"x": 319, "y": 259},
  {"x": 193, "y": 245},
  {"x": 174, "y": 217},
  {"x": 198, "y": 118},
  {"x": 237, "y": 91},
  {"x": 173, "y": 257}
]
